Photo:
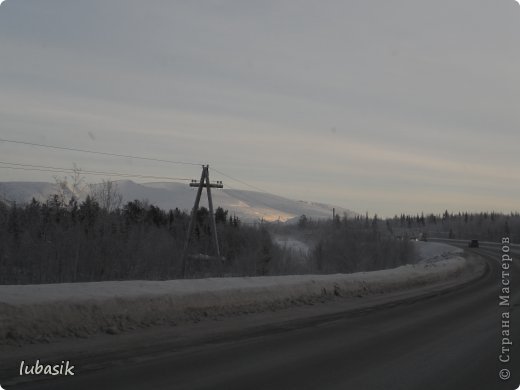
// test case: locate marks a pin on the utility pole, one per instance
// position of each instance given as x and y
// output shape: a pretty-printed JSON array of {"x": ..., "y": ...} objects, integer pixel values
[{"x": 204, "y": 182}]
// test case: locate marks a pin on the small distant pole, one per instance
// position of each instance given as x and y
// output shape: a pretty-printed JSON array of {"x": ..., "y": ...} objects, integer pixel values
[{"x": 333, "y": 214}]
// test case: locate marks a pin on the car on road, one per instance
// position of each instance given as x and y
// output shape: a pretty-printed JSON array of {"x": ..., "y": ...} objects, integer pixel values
[{"x": 473, "y": 244}]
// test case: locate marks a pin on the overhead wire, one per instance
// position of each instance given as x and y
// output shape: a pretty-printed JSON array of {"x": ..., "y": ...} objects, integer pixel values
[
  {"x": 96, "y": 152},
  {"x": 238, "y": 180},
  {"x": 65, "y": 148},
  {"x": 258, "y": 211},
  {"x": 44, "y": 168},
  {"x": 41, "y": 168},
  {"x": 244, "y": 194}
]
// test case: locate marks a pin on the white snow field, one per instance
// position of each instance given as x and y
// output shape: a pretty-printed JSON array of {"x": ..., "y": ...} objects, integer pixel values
[{"x": 31, "y": 313}]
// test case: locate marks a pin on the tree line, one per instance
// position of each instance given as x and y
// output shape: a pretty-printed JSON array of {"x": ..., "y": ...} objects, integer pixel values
[
  {"x": 101, "y": 238},
  {"x": 485, "y": 226},
  {"x": 70, "y": 241},
  {"x": 347, "y": 245},
  {"x": 65, "y": 240}
]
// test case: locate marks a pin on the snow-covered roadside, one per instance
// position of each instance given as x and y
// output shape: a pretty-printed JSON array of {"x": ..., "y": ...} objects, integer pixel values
[
  {"x": 428, "y": 252},
  {"x": 38, "y": 312},
  {"x": 291, "y": 243}
]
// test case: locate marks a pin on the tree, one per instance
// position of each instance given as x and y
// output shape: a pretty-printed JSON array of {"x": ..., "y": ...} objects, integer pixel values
[
  {"x": 220, "y": 215},
  {"x": 156, "y": 216},
  {"x": 107, "y": 195},
  {"x": 134, "y": 212},
  {"x": 265, "y": 254},
  {"x": 14, "y": 224},
  {"x": 302, "y": 222},
  {"x": 67, "y": 193},
  {"x": 88, "y": 212}
]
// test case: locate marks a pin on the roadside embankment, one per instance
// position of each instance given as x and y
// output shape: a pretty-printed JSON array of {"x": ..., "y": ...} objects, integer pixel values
[{"x": 38, "y": 313}]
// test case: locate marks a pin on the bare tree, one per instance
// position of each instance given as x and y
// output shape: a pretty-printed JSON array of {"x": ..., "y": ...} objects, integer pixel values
[
  {"x": 70, "y": 188},
  {"x": 107, "y": 195}
]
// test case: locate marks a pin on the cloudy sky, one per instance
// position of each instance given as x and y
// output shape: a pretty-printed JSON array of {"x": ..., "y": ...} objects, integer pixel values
[{"x": 379, "y": 106}]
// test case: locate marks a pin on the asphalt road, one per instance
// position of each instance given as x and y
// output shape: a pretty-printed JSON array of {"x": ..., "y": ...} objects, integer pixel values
[{"x": 449, "y": 341}]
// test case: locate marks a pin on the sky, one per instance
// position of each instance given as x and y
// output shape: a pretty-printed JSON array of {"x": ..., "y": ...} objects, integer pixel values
[{"x": 386, "y": 107}]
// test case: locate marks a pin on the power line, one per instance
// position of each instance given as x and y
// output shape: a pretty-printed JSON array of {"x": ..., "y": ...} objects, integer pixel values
[
  {"x": 239, "y": 181},
  {"x": 43, "y": 168},
  {"x": 27, "y": 167},
  {"x": 126, "y": 156},
  {"x": 245, "y": 194},
  {"x": 95, "y": 152}
]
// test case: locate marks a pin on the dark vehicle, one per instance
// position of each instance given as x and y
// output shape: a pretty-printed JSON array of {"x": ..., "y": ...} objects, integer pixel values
[{"x": 473, "y": 244}]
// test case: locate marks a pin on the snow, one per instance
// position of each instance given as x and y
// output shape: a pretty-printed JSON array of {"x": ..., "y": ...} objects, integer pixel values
[
  {"x": 434, "y": 251},
  {"x": 247, "y": 205},
  {"x": 291, "y": 243},
  {"x": 36, "y": 312}
]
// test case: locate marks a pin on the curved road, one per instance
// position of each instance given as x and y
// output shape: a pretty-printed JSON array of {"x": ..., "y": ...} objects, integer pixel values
[{"x": 449, "y": 341}]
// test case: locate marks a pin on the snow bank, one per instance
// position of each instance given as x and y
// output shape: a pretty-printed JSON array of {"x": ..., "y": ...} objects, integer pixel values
[
  {"x": 39, "y": 312},
  {"x": 428, "y": 252}
]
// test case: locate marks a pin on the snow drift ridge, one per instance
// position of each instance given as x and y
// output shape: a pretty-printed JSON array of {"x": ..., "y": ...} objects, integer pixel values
[{"x": 39, "y": 312}]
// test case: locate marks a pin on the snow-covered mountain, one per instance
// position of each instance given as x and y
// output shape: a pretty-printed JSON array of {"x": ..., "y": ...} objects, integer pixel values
[{"x": 246, "y": 205}]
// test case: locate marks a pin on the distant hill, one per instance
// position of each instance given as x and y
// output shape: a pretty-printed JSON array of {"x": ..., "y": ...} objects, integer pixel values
[{"x": 246, "y": 205}]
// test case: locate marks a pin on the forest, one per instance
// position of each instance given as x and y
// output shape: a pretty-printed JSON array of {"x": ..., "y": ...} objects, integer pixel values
[
  {"x": 67, "y": 240},
  {"x": 100, "y": 238},
  {"x": 53, "y": 242},
  {"x": 484, "y": 226}
]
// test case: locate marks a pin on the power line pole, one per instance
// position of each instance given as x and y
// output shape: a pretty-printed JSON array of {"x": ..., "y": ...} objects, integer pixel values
[{"x": 204, "y": 182}]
